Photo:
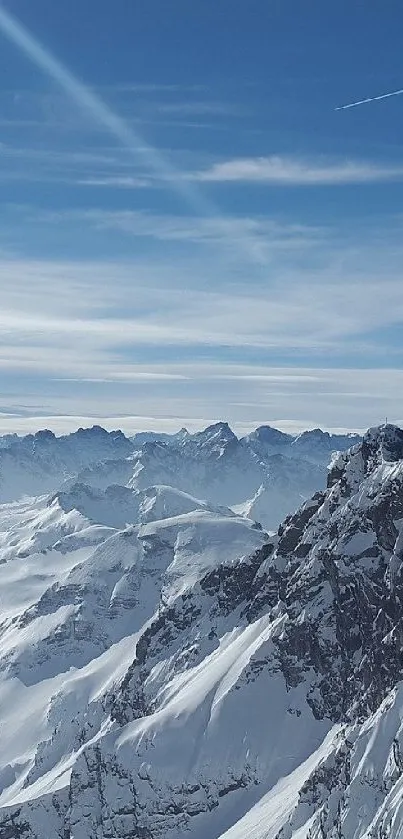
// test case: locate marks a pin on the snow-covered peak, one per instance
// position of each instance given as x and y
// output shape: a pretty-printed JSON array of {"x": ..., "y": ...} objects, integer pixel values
[
  {"x": 268, "y": 434},
  {"x": 266, "y": 441},
  {"x": 116, "y": 506},
  {"x": 119, "y": 506},
  {"x": 380, "y": 445},
  {"x": 315, "y": 446},
  {"x": 313, "y": 434},
  {"x": 383, "y": 443},
  {"x": 319, "y": 445},
  {"x": 162, "y": 502},
  {"x": 214, "y": 436}
]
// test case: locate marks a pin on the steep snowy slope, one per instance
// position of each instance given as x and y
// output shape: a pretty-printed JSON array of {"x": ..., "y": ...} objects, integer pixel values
[
  {"x": 75, "y": 590},
  {"x": 286, "y": 483},
  {"x": 186, "y": 675}
]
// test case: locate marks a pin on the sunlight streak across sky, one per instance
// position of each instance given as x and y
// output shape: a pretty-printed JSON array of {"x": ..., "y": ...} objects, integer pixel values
[{"x": 92, "y": 105}]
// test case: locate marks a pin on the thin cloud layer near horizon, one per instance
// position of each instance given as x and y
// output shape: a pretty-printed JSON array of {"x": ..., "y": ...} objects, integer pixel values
[{"x": 190, "y": 231}]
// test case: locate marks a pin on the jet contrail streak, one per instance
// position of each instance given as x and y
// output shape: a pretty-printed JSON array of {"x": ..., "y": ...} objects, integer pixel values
[
  {"x": 93, "y": 105},
  {"x": 370, "y": 99}
]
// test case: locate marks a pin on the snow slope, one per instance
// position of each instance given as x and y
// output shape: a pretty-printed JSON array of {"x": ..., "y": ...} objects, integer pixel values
[{"x": 76, "y": 589}]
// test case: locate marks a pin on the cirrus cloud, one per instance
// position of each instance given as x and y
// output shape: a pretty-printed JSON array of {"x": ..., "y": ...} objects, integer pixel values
[{"x": 281, "y": 170}]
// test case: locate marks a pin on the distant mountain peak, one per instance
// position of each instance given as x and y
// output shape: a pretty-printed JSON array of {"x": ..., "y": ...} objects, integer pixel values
[
  {"x": 44, "y": 434},
  {"x": 216, "y": 431},
  {"x": 269, "y": 434},
  {"x": 95, "y": 430},
  {"x": 312, "y": 434},
  {"x": 387, "y": 439},
  {"x": 219, "y": 428},
  {"x": 380, "y": 444}
]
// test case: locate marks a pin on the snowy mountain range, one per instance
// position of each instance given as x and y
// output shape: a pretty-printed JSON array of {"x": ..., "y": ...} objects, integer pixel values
[
  {"x": 265, "y": 475},
  {"x": 168, "y": 668}
]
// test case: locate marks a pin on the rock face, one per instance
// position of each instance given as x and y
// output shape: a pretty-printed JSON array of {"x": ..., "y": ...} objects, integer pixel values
[
  {"x": 169, "y": 669},
  {"x": 338, "y": 563}
]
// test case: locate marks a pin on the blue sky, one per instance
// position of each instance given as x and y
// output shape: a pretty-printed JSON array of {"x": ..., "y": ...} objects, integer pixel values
[{"x": 189, "y": 230}]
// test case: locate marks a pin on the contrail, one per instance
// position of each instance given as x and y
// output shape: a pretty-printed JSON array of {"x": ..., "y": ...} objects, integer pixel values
[
  {"x": 91, "y": 104},
  {"x": 369, "y": 99}
]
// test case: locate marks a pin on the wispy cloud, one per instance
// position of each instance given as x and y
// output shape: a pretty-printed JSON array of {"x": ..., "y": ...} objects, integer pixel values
[
  {"x": 66, "y": 157},
  {"x": 86, "y": 335},
  {"x": 151, "y": 87},
  {"x": 117, "y": 182},
  {"x": 115, "y": 312},
  {"x": 185, "y": 228},
  {"x": 101, "y": 167},
  {"x": 266, "y": 237},
  {"x": 289, "y": 171},
  {"x": 201, "y": 107},
  {"x": 142, "y": 107}
]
